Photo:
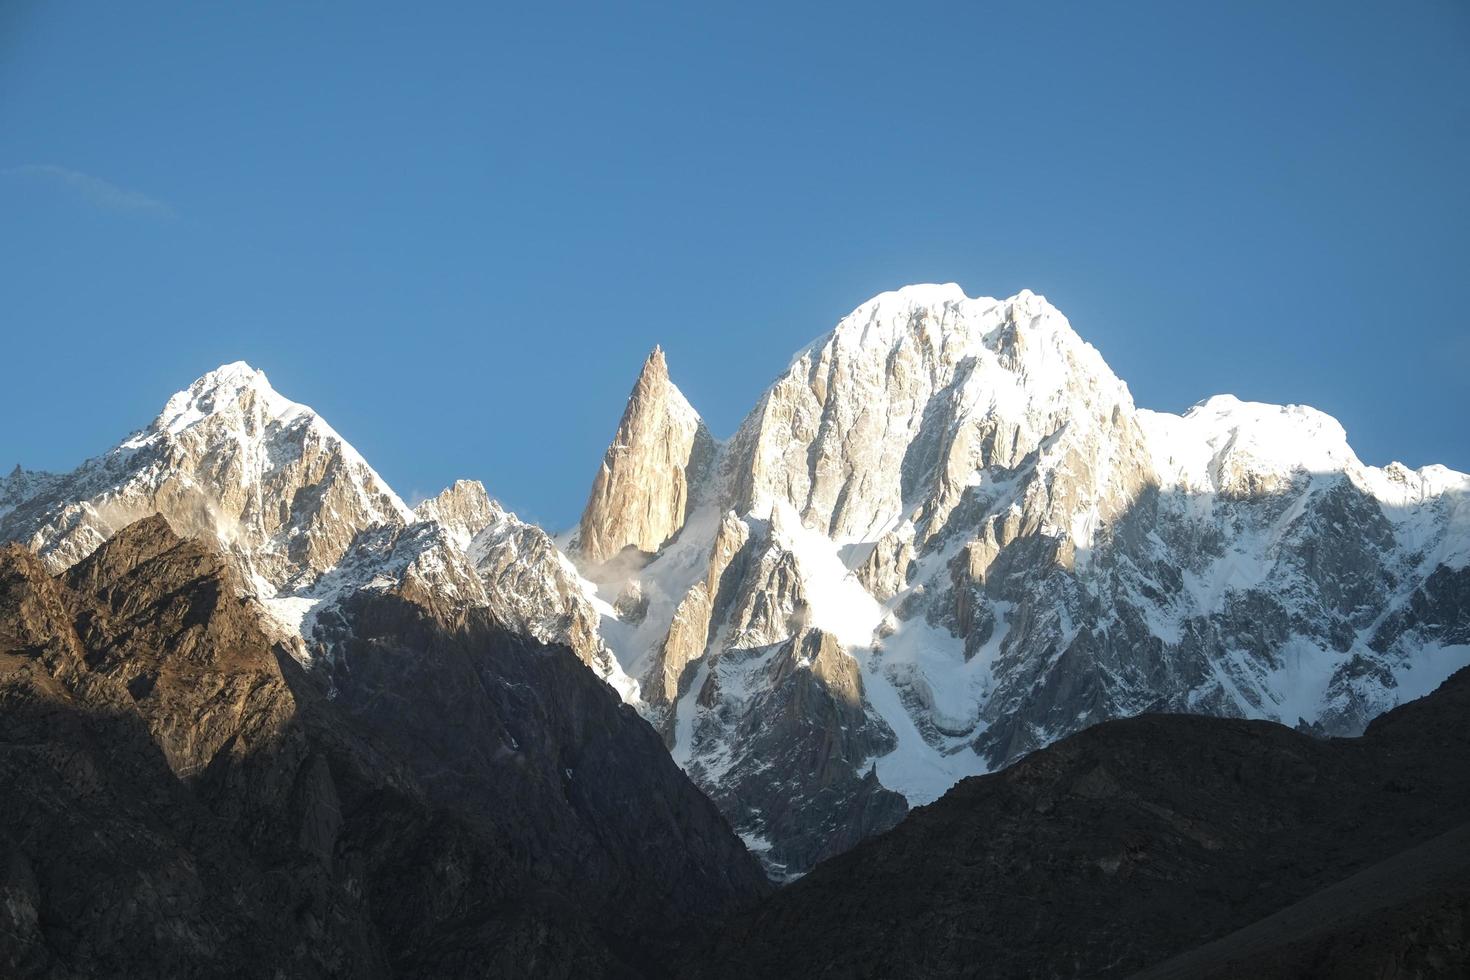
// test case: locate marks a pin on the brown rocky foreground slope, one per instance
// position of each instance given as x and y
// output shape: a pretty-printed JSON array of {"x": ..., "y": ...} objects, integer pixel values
[
  {"x": 181, "y": 798},
  {"x": 1139, "y": 840}
]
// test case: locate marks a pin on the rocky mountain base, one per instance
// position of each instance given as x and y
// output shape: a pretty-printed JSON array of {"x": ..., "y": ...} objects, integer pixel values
[
  {"x": 1140, "y": 840},
  {"x": 182, "y": 798}
]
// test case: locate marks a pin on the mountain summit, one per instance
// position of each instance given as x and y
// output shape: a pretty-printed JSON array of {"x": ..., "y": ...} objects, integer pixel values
[
  {"x": 230, "y": 459},
  {"x": 644, "y": 489},
  {"x": 943, "y": 538},
  {"x": 960, "y": 498},
  {"x": 305, "y": 520}
]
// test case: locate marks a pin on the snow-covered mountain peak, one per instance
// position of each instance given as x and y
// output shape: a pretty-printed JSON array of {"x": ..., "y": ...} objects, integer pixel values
[
  {"x": 463, "y": 509},
  {"x": 913, "y": 393},
  {"x": 961, "y": 497},
  {"x": 1240, "y": 448},
  {"x": 923, "y": 295},
  {"x": 1428, "y": 481},
  {"x": 1228, "y": 411},
  {"x": 234, "y": 376},
  {"x": 889, "y": 319},
  {"x": 1224, "y": 444},
  {"x": 230, "y": 387},
  {"x": 1009, "y": 356},
  {"x": 943, "y": 316},
  {"x": 230, "y": 459},
  {"x": 235, "y": 405},
  {"x": 307, "y": 522}
]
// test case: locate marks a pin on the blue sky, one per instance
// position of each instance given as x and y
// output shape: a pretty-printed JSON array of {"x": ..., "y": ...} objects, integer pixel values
[{"x": 457, "y": 231}]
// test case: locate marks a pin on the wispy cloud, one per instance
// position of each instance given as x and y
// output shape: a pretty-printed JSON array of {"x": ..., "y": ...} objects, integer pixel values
[{"x": 101, "y": 193}]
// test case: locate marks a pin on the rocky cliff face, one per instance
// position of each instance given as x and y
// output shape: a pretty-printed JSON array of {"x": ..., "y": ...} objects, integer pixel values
[
  {"x": 228, "y": 459},
  {"x": 956, "y": 497},
  {"x": 529, "y": 584},
  {"x": 782, "y": 745},
  {"x": 644, "y": 489},
  {"x": 963, "y": 495},
  {"x": 303, "y": 518},
  {"x": 22, "y": 485},
  {"x": 183, "y": 798}
]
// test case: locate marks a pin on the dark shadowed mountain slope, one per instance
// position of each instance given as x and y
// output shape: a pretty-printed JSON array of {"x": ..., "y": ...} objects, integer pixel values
[
  {"x": 1127, "y": 844},
  {"x": 181, "y": 799},
  {"x": 1408, "y": 916}
]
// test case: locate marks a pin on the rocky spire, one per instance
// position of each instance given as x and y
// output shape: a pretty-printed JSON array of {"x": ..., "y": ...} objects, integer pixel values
[{"x": 644, "y": 489}]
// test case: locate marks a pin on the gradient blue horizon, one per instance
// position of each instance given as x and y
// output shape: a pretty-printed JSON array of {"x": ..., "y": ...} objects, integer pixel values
[{"x": 457, "y": 233}]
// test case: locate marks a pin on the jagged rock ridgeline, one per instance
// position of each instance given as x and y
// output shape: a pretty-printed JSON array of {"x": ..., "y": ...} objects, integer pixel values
[
  {"x": 448, "y": 798},
  {"x": 957, "y": 495},
  {"x": 1008, "y": 549},
  {"x": 528, "y": 583},
  {"x": 306, "y": 521},
  {"x": 230, "y": 459}
]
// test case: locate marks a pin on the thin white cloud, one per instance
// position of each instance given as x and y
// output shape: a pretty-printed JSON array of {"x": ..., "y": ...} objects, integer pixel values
[{"x": 99, "y": 192}]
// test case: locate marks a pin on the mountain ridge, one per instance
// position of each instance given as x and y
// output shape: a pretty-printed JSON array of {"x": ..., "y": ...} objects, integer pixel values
[
  {"x": 1137, "y": 840},
  {"x": 306, "y": 520},
  {"x": 956, "y": 495},
  {"x": 184, "y": 798},
  {"x": 969, "y": 498}
]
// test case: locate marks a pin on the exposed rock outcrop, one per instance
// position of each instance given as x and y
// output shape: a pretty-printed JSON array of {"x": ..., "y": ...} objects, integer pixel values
[
  {"x": 536, "y": 590},
  {"x": 230, "y": 460},
  {"x": 698, "y": 614},
  {"x": 304, "y": 519},
  {"x": 463, "y": 509},
  {"x": 778, "y": 728},
  {"x": 183, "y": 798},
  {"x": 648, "y": 479},
  {"x": 1010, "y": 550},
  {"x": 788, "y": 747},
  {"x": 958, "y": 490}
]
